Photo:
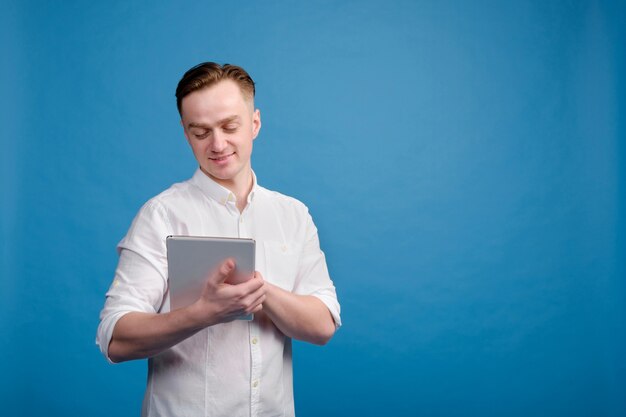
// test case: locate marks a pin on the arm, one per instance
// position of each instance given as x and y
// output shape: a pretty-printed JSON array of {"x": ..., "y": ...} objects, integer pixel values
[
  {"x": 302, "y": 317},
  {"x": 305, "y": 308},
  {"x": 141, "y": 335}
]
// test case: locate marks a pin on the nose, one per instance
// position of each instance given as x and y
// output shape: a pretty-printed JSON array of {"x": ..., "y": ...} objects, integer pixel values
[{"x": 218, "y": 142}]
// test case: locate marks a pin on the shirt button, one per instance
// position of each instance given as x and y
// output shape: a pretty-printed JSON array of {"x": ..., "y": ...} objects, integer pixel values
[
  {"x": 255, "y": 340},
  {"x": 255, "y": 384},
  {"x": 241, "y": 220},
  {"x": 284, "y": 248}
]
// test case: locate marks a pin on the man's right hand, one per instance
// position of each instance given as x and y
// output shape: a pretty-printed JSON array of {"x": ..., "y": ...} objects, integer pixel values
[
  {"x": 140, "y": 335},
  {"x": 222, "y": 302}
]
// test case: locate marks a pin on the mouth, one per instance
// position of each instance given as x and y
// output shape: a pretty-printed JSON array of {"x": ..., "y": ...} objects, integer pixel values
[{"x": 221, "y": 158}]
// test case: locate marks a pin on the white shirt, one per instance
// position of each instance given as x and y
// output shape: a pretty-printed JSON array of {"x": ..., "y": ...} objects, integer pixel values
[{"x": 233, "y": 369}]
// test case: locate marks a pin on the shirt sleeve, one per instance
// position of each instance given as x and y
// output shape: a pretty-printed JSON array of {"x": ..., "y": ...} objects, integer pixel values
[
  {"x": 140, "y": 281},
  {"x": 313, "y": 278}
]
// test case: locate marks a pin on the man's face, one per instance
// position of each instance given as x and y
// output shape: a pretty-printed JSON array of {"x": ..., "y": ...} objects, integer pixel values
[{"x": 220, "y": 125}]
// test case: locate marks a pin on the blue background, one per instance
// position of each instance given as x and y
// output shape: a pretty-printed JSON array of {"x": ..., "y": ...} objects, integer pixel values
[{"x": 464, "y": 162}]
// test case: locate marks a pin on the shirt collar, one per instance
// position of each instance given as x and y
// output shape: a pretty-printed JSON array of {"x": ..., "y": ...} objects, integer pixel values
[{"x": 218, "y": 192}]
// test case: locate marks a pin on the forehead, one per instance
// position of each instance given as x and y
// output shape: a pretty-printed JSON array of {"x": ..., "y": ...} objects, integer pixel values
[{"x": 216, "y": 102}]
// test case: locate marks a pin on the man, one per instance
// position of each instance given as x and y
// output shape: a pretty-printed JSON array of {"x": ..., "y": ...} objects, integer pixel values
[{"x": 201, "y": 360}]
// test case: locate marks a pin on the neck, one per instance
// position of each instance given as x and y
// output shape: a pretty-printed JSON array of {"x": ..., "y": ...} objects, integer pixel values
[
  {"x": 241, "y": 186},
  {"x": 242, "y": 193}
]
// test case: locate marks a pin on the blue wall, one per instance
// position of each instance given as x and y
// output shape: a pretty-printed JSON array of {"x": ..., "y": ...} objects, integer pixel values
[{"x": 465, "y": 163}]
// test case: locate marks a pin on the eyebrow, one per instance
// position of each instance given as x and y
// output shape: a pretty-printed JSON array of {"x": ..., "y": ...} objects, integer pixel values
[{"x": 219, "y": 122}]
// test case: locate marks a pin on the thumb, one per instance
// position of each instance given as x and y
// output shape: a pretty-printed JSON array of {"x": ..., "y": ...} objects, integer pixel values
[{"x": 224, "y": 271}]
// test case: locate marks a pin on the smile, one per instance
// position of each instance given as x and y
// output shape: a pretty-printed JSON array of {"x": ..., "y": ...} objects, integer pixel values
[{"x": 221, "y": 158}]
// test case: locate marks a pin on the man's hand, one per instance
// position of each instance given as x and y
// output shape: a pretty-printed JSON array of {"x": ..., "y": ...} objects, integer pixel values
[
  {"x": 222, "y": 302},
  {"x": 142, "y": 335}
]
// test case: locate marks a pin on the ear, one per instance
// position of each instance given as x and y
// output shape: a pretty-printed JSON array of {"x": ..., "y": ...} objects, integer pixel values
[{"x": 256, "y": 123}]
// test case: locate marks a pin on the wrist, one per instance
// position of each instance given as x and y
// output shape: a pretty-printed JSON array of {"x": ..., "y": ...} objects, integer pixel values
[
  {"x": 270, "y": 293},
  {"x": 200, "y": 315}
]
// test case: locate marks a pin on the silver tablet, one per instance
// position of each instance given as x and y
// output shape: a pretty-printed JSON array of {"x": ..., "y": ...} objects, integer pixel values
[{"x": 192, "y": 259}]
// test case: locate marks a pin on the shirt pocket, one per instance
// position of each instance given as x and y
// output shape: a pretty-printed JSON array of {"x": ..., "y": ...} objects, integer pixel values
[{"x": 281, "y": 262}]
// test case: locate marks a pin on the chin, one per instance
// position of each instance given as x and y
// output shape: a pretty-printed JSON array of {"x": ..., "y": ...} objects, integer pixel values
[{"x": 223, "y": 176}]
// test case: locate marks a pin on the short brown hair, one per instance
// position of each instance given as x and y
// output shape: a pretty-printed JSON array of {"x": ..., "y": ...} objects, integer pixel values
[{"x": 207, "y": 74}]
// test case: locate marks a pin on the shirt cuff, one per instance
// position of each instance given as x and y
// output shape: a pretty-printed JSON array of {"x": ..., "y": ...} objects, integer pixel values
[
  {"x": 105, "y": 332},
  {"x": 331, "y": 303}
]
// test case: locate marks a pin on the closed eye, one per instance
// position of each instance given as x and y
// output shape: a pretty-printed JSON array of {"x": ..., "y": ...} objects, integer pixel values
[
  {"x": 201, "y": 134},
  {"x": 230, "y": 128}
]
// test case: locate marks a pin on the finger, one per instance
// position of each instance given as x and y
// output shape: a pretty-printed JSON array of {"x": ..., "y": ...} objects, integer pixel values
[
  {"x": 254, "y": 299},
  {"x": 251, "y": 285},
  {"x": 243, "y": 293},
  {"x": 256, "y": 303},
  {"x": 256, "y": 309},
  {"x": 259, "y": 300},
  {"x": 224, "y": 271}
]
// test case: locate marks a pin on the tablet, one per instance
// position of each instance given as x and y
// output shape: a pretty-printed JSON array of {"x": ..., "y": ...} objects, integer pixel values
[{"x": 192, "y": 259}]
